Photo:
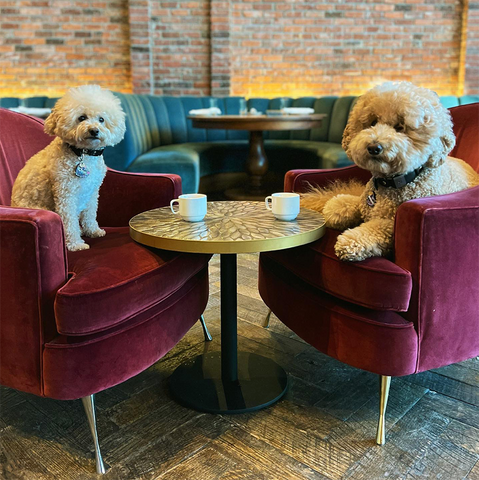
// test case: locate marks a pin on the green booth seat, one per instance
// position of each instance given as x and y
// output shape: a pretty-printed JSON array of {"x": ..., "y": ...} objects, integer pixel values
[
  {"x": 50, "y": 102},
  {"x": 34, "y": 102},
  {"x": 9, "y": 102},
  {"x": 467, "y": 99},
  {"x": 29, "y": 102}
]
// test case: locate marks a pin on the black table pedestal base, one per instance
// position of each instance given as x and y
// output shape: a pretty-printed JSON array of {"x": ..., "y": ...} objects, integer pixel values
[{"x": 198, "y": 384}]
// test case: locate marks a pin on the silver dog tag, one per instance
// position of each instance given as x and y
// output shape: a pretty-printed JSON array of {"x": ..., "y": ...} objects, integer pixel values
[
  {"x": 371, "y": 200},
  {"x": 81, "y": 170}
]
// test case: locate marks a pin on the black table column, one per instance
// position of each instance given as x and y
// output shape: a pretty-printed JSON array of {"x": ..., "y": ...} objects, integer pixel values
[
  {"x": 229, "y": 323},
  {"x": 228, "y": 381}
]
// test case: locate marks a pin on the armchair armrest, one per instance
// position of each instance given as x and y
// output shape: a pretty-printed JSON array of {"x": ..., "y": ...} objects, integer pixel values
[
  {"x": 124, "y": 195},
  {"x": 33, "y": 265},
  {"x": 437, "y": 240},
  {"x": 299, "y": 180}
]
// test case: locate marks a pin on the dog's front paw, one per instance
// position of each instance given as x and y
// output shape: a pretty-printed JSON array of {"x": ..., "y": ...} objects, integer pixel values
[
  {"x": 75, "y": 247},
  {"x": 99, "y": 232},
  {"x": 348, "y": 248}
]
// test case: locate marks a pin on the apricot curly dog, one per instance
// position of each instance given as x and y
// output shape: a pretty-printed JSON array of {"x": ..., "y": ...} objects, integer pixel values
[
  {"x": 402, "y": 134},
  {"x": 66, "y": 176}
]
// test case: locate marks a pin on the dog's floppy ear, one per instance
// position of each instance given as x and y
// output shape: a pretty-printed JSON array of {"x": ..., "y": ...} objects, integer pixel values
[
  {"x": 50, "y": 127},
  {"x": 346, "y": 137},
  {"x": 446, "y": 140},
  {"x": 349, "y": 129}
]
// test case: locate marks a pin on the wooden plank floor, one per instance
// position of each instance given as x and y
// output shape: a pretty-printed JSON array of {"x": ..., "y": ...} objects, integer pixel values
[{"x": 323, "y": 429}]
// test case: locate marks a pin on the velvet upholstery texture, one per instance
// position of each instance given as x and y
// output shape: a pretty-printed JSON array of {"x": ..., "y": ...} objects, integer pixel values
[
  {"x": 382, "y": 342},
  {"x": 414, "y": 312},
  {"x": 149, "y": 191},
  {"x": 15, "y": 150},
  {"x": 32, "y": 239},
  {"x": 91, "y": 363},
  {"x": 439, "y": 245},
  {"x": 75, "y": 323},
  {"x": 375, "y": 283},
  {"x": 467, "y": 137},
  {"x": 115, "y": 278}
]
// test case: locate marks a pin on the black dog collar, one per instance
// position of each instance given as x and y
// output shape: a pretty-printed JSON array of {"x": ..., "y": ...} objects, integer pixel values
[
  {"x": 85, "y": 151},
  {"x": 398, "y": 181}
]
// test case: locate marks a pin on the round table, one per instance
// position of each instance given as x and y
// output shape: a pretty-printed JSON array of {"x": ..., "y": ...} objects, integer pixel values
[
  {"x": 227, "y": 381},
  {"x": 257, "y": 162}
]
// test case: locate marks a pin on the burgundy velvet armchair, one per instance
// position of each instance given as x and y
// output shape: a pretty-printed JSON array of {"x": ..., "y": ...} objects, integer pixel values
[
  {"x": 75, "y": 323},
  {"x": 391, "y": 317}
]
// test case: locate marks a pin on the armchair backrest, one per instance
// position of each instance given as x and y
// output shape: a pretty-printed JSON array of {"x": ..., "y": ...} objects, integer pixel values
[
  {"x": 465, "y": 119},
  {"x": 33, "y": 261},
  {"x": 21, "y": 137}
]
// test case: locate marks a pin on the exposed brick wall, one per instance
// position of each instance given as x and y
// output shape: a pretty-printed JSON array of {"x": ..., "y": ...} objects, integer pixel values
[
  {"x": 471, "y": 61},
  {"x": 323, "y": 47},
  {"x": 140, "y": 46},
  {"x": 180, "y": 32},
  {"x": 237, "y": 47},
  {"x": 220, "y": 48},
  {"x": 170, "y": 46},
  {"x": 47, "y": 46}
]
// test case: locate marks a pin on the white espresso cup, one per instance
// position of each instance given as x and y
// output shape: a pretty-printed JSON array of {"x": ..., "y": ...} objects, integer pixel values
[
  {"x": 192, "y": 206},
  {"x": 284, "y": 205}
]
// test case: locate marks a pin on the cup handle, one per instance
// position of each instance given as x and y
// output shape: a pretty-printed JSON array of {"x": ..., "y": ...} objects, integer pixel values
[
  {"x": 171, "y": 205},
  {"x": 266, "y": 201}
]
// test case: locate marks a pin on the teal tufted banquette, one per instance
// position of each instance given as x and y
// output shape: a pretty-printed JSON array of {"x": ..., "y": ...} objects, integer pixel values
[{"x": 160, "y": 138}]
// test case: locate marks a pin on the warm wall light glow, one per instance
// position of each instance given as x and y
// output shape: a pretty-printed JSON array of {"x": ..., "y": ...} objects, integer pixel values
[
  {"x": 260, "y": 87},
  {"x": 297, "y": 89},
  {"x": 25, "y": 93},
  {"x": 40, "y": 91}
]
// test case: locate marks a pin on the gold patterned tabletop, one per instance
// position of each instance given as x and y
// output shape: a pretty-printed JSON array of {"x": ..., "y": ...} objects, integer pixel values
[{"x": 228, "y": 227}]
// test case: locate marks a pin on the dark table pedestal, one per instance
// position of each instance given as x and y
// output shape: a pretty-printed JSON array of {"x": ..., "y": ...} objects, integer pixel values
[
  {"x": 256, "y": 167},
  {"x": 228, "y": 382}
]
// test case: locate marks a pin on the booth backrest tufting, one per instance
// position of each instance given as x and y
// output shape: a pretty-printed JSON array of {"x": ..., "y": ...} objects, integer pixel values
[
  {"x": 31, "y": 102},
  {"x": 159, "y": 121}
]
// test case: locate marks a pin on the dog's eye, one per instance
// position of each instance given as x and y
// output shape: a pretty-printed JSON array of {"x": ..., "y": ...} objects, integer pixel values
[
  {"x": 399, "y": 128},
  {"x": 373, "y": 123},
  {"x": 81, "y": 118},
  {"x": 101, "y": 119}
]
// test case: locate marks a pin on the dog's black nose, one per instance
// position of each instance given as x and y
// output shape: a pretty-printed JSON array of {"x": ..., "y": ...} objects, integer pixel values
[
  {"x": 94, "y": 132},
  {"x": 375, "y": 149}
]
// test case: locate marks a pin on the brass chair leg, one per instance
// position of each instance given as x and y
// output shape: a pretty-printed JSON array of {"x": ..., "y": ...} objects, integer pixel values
[
  {"x": 89, "y": 406},
  {"x": 384, "y": 385},
  {"x": 267, "y": 319},
  {"x": 208, "y": 336}
]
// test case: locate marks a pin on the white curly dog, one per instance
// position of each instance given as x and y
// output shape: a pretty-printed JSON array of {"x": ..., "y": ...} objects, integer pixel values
[
  {"x": 66, "y": 176},
  {"x": 402, "y": 134}
]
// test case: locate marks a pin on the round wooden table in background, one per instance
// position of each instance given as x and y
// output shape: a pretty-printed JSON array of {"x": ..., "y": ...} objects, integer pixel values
[
  {"x": 257, "y": 161},
  {"x": 228, "y": 381}
]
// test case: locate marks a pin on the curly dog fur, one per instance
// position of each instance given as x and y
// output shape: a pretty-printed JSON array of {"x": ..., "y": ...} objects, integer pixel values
[
  {"x": 86, "y": 117},
  {"x": 412, "y": 130}
]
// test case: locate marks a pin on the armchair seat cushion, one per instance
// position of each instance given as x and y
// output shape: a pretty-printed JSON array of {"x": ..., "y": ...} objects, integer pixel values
[
  {"x": 381, "y": 342},
  {"x": 374, "y": 283},
  {"x": 117, "y": 278}
]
